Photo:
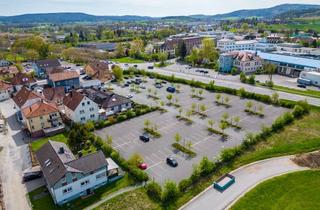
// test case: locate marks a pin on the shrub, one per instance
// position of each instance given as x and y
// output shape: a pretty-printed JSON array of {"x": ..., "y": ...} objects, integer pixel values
[
  {"x": 287, "y": 118},
  {"x": 170, "y": 193},
  {"x": 298, "y": 111},
  {"x": 121, "y": 118},
  {"x": 184, "y": 184},
  {"x": 195, "y": 174},
  {"x": 107, "y": 149},
  {"x": 154, "y": 190},
  {"x": 229, "y": 154},
  {"x": 206, "y": 166},
  {"x": 130, "y": 114}
]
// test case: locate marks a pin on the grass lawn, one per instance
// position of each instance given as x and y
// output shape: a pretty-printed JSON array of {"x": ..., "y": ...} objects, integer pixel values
[
  {"x": 35, "y": 145},
  {"x": 295, "y": 191},
  {"x": 307, "y": 92},
  {"x": 60, "y": 138},
  {"x": 133, "y": 200},
  {"x": 127, "y": 60},
  {"x": 41, "y": 201}
]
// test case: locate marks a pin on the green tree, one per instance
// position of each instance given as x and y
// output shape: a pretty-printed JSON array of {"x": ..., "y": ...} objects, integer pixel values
[
  {"x": 120, "y": 51},
  {"x": 243, "y": 77},
  {"x": 170, "y": 193},
  {"x": 249, "y": 105},
  {"x": 177, "y": 138},
  {"x": 147, "y": 123},
  {"x": 208, "y": 50},
  {"x": 223, "y": 126},
  {"x": 225, "y": 117},
  {"x": 260, "y": 109},
  {"x": 154, "y": 190},
  {"x": 206, "y": 166},
  {"x": 275, "y": 97},
  {"x": 203, "y": 108},
  {"x": 162, "y": 58},
  {"x": 135, "y": 159},
  {"x": 109, "y": 140},
  {"x": 181, "y": 50},
  {"x": 193, "y": 57},
  {"x": 210, "y": 123},
  {"x": 118, "y": 73},
  {"x": 252, "y": 79},
  {"x": 226, "y": 100},
  {"x": 236, "y": 120},
  {"x": 218, "y": 97},
  {"x": 270, "y": 69},
  {"x": 169, "y": 97}
]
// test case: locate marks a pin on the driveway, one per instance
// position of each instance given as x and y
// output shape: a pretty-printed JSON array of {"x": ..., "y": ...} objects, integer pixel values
[
  {"x": 14, "y": 158},
  {"x": 247, "y": 177}
]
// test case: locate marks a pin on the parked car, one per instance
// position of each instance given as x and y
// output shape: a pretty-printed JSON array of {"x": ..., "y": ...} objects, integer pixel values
[
  {"x": 145, "y": 137},
  {"x": 135, "y": 66},
  {"x": 129, "y": 96},
  {"x": 171, "y": 89},
  {"x": 205, "y": 72},
  {"x": 31, "y": 176},
  {"x": 172, "y": 162},
  {"x": 164, "y": 82},
  {"x": 143, "y": 166},
  {"x": 142, "y": 87},
  {"x": 126, "y": 85},
  {"x": 150, "y": 67}
]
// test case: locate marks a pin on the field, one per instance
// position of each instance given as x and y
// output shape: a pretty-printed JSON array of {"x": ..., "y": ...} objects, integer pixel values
[{"x": 299, "y": 190}]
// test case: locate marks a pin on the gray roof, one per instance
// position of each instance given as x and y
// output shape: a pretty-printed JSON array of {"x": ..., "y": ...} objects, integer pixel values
[
  {"x": 48, "y": 63},
  {"x": 55, "y": 164}
]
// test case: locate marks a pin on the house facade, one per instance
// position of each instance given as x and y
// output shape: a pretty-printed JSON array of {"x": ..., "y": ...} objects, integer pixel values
[
  {"x": 79, "y": 108},
  {"x": 4, "y": 63},
  {"x": 243, "y": 61},
  {"x": 6, "y": 90},
  {"x": 98, "y": 70},
  {"x": 68, "y": 177},
  {"x": 67, "y": 79},
  {"x": 42, "y": 119},
  {"x": 42, "y": 66},
  {"x": 109, "y": 102}
]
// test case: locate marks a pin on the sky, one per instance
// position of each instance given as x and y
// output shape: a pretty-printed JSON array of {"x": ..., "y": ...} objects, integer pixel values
[{"x": 154, "y": 8}]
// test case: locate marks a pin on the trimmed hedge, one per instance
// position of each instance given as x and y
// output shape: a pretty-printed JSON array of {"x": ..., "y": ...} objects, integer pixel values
[{"x": 184, "y": 149}]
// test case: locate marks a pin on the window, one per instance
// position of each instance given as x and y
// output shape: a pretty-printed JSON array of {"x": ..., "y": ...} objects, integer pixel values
[
  {"x": 82, "y": 118},
  {"x": 92, "y": 116},
  {"x": 41, "y": 117},
  {"x": 88, "y": 102},
  {"x": 67, "y": 190},
  {"x": 84, "y": 183},
  {"x": 81, "y": 111},
  {"x": 83, "y": 104},
  {"x": 99, "y": 176},
  {"x": 91, "y": 109}
]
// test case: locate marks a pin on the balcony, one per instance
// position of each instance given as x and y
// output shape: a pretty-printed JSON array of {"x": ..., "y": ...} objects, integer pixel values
[{"x": 55, "y": 129}]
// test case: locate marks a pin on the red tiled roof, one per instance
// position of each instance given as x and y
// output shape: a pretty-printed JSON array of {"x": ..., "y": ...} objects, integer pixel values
[
  {"x": 4, "y": 85},
  {"x": 22, "y": 79},
  {"x": 73, "y": 99},
  {"x": 38, "y": 109},
  {"x": 23, "y": 95},
  {"x": 63, "y": 76},
  {"x": 54, "y": 93}
]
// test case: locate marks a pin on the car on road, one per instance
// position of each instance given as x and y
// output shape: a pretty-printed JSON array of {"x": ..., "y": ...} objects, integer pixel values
[
  {"x": 205, "y": 72},
  {"x": 144, "y": 137},
  {"x": 143, "y": 166},
  {"x": 172, "y": 162},
  {"x": 129, "y": 96},
  {"x": 302, "y": 86},
  {"x": 150, "y": 67},
  {"x": 158, "y": 85},
  {"x": 135, "y": 66}
]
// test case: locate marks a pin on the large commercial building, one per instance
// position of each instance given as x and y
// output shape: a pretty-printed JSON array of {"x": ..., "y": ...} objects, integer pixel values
[
  {"x": 290, "y": 65},
  {"x": 228, "y": 45}
]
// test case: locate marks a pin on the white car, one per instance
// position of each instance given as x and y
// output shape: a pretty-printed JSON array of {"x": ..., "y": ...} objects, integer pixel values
[{"x": 129, "y": 96}]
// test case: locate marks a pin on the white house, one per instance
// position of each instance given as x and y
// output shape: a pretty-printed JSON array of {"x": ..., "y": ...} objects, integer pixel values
[
  {"x": 5, "y": 90},
  {"x": 68, "y": 177},
  {"x": 228, "y": 45},
  {"x": 80, "y": 108}
]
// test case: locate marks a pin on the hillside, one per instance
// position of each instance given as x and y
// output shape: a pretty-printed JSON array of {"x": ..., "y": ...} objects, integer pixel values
[
  {"x": 267, "y": 12},
  {"x": 300, "y": 14}
]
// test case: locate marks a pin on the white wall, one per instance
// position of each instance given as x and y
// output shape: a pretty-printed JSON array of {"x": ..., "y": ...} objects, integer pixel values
[{"x": 77, "y": 188}]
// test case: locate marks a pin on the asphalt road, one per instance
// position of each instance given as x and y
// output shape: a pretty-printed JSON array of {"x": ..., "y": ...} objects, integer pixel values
[
  {"x": 247, "y": 177},
  {"x": 220, "y": 80}
]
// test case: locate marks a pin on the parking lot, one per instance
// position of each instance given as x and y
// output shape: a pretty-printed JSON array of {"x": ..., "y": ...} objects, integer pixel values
[{"x": 126, "y": 135}]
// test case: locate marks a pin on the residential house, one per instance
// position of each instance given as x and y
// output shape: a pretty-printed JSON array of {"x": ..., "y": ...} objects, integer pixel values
[
  {"x": 8, "y": 72},
  {"x": 243, "y": 61},
  {"x": 6, "y": 90},
  {"x": 41, "y": 67},
  {"x": 54, "y": 94},
  {"x": 67, "y": 79},
  {"x": 98, "y": 70},
  {"x": 42, "y": 119},
  {"x": 24, "y": 98},
  {"x": 21, "y": 79},
  {"x": 80, "y": 108},
  {"x": 68, "y": 177},
  {"x": 109, "y": 103}
]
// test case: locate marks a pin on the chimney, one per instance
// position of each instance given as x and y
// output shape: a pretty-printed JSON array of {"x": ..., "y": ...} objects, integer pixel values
[{"x": 61, "y": 150}]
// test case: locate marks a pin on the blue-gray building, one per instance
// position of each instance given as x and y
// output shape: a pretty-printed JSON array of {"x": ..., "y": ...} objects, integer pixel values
[
  {"x": 290, "y": 65},
  {"x": 226, "y": 62},
  {"x": 67, "y": 79},
  {"x": 42, "y": 68}
]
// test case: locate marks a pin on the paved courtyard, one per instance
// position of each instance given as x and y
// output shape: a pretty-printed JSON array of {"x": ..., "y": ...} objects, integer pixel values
[{"x": 126, "y": 135}]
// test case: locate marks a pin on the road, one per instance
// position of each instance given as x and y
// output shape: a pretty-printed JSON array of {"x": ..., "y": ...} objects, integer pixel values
[
  {"x": 221, "y": 80},
  {"x": 14, "y": 158},
  {"x": 247, "y": 177}
]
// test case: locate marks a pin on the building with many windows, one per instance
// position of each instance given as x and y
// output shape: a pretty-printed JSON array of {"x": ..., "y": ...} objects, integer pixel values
[
  {"x": 68, "y": 177},
  {"x": 79, "y": 108},
  {"x": 229, "y": 45}
]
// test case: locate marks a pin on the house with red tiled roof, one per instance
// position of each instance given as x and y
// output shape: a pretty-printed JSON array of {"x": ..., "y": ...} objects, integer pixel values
[
  {"x": 21, "y": 79},
  {"x": 79, "y": 108},
  {"x": 6, "y": 90},
  {"x": 99, "y": 70},
  {"x": 67, "y": 79},
  {"x": 42, "y": 119}
]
